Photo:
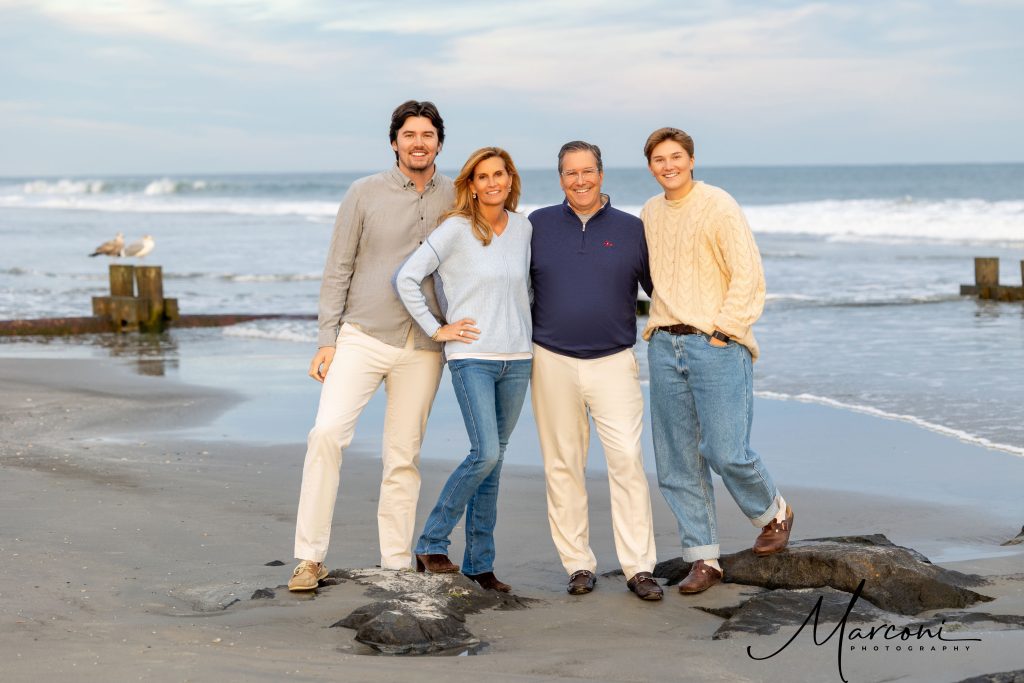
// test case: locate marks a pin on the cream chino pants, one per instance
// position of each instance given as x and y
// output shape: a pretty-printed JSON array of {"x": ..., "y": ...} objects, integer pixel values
[
  {"x": 564, "y": 390},
  {"x": 410, "y": 379}
]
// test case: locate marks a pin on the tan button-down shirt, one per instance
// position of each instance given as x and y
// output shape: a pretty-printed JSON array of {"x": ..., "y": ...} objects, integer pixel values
[{"x": 381, "y": 220}]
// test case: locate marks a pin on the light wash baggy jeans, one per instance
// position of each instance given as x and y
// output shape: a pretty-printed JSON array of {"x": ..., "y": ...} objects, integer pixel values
[
  {"x": 701, "y": 413},
  {"x": 491, "y": 395}
]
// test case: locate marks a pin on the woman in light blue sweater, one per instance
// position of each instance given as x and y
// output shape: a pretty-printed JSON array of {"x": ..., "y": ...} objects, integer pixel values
[{"x": 481, "y": 256}]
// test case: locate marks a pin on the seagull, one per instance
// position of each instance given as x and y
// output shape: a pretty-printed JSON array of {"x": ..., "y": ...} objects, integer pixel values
[
  {"x": 140, "y": 248},
  {"x": 114, "y": 247}
]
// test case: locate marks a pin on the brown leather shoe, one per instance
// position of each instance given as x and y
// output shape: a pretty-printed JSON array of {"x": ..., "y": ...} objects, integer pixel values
[
  {"x": 700, "y": 578},
  {"x": 775, "y": 536},
  {"x": 645, "y": 586},
  {"x": 435, "y": 564},
  {"x": 489, "y": 581},
  {"x": 581, "y": 582}
]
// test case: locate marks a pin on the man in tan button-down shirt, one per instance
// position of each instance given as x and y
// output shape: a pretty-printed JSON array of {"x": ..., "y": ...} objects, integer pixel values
[{"x": 367, "y": 337}]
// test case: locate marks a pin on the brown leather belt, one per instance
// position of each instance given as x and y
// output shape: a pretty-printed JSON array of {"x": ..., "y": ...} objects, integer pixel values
[{"x": 681, "y": 328}]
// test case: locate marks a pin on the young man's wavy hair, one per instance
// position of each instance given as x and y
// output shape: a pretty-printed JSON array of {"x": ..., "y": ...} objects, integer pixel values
[
  {"x": 659, "y": 136},
  {"x": 467, "y": 206}
]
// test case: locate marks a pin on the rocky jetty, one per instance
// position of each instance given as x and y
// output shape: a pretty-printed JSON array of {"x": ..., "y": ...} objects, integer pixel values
[
  {"x": 419, "y": 613},
  {"x": 896, "y": 579}
]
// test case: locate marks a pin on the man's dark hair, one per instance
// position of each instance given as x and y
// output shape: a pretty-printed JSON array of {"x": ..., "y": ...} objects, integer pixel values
[
  {"x": 414, "y": 108},
  {"x": 580, "y": 146}
]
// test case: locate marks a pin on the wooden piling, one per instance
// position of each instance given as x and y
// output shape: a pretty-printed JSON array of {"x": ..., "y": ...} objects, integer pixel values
[
  {"x": 150, "y": 285},
  {"x": 122, "y": 280},
  {"x": 986, "y": 282},
  {"x": 71, "y": 326},
  {"x": 101, "y": 306},
  {"x": 147, "y": 310}
]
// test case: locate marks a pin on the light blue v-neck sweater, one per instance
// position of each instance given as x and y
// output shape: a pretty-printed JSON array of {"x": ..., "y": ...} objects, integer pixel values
[{"x": 488, "y": 284}]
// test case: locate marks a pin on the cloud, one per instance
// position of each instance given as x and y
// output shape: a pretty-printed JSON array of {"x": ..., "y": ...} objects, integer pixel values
[
  {"x": 762, "y": 59},
  {"x": 210, "y": 27},
  {"x": 898, "y": 72},
  {"x": 453, "y": 18}
]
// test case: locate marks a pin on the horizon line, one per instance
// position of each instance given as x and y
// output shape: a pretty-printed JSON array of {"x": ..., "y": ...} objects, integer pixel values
[{"x": 449, "y": 170}]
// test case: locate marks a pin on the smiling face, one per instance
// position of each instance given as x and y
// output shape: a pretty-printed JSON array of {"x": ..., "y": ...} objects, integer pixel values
[
  {"x": 672, "y": 166},
  {"x": 581, "y": 181},
  {"x": 417, "y": 145},
  {"x": 491, "y": 182}
]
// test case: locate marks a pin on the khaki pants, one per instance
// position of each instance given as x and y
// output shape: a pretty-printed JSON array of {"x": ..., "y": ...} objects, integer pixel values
[
  {"x": 564, "y": 390},
  {"x": 410, "y": 379}
]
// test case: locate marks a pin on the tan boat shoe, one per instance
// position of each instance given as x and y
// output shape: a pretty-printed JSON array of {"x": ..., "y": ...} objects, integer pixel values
[{"x": 307, "y": 576}]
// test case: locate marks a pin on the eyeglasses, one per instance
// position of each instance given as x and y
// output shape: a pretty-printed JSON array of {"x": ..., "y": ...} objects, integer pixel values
[{"x": 585, "y": 174}]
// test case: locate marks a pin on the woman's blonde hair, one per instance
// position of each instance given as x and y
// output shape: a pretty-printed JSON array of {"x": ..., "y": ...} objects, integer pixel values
[{"x": 466, "y": 206}]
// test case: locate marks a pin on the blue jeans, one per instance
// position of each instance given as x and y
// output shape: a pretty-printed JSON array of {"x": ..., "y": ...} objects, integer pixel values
[
  {"x": 490, "y": 394},
  {"x": 701, "y": 412}
]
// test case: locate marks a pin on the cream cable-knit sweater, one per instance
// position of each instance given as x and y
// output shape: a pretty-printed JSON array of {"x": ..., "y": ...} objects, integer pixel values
[{"x": 704, "y": 263}]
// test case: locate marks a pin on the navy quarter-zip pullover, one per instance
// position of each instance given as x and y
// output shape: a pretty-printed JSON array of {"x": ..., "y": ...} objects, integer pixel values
[{"x": 585, "y": 280}]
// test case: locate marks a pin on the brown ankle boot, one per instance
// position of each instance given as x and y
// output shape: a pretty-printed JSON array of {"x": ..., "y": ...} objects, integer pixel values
[
  {"x": 489, "y": 581},
  {"x": 435, "y": 564}
]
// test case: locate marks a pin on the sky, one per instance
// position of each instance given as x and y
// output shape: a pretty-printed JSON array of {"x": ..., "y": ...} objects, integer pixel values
[{"x": 174, "y": 86}]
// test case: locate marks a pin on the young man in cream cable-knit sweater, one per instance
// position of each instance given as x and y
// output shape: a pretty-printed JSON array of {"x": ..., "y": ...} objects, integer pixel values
[{"x": 708, "y": 292}]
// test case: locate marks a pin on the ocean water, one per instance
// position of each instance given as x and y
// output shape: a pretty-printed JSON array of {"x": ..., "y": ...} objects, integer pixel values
[{"x": 863, "y": 266}]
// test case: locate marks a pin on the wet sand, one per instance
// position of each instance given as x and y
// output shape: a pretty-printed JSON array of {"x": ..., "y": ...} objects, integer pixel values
[{"x": 123, "y": 545}]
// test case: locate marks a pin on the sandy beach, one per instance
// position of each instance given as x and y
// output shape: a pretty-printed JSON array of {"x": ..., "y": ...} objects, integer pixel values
[{"x": 127, "y": 533}]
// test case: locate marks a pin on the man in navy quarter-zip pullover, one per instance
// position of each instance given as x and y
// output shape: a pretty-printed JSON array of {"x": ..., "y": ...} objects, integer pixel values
[{"x": 587, "y": 260}]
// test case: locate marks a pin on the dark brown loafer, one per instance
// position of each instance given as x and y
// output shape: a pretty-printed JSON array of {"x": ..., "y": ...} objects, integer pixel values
[
  {"x": 775, "y": 536},
  {"x": 700, "y": 578},
  {"x": 581, "y": 582},
  {"x": 489, "y": 581},
  {"x": 435, "y": 564},
  {"x": 645, "y": 586}
]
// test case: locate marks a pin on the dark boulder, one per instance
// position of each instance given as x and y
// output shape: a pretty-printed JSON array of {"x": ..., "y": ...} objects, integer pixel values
[
  {"x": 419, "y": 613},
  {"x": 1016, "y": 540},
  {"x": 896, "y": 579},
  {"x": 954, "y": 621},
  {"x": 765, "y": 613},
  {"x": 1005, "y": 677},
  {"x": 406, "y": 627}
]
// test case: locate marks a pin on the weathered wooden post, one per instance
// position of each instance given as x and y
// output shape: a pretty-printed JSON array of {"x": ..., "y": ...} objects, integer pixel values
[
  {"x": 150, "y": 282},
  {"x": 986, "y": 277},
  {"x": 986, "y": 282},
  {"x": 123, "y": 306},
  {"x": 122, "y": 280},
  {"x": 136, "y": 300}
]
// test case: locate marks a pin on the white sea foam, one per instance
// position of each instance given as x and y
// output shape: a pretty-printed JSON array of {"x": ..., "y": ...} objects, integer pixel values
[
  {"x": 959, "y": 434},
  {"x": 904, "y": 220},
  {"x": 162, "y": 186},
  {"x": 63, "y": 187},
  {"x": 951, "y": 220},
  {"x": 272, "y": 277},
  {"x": 873, "y": 220},
  {"x": 786, "y": 296},
  {"x": 160, "y": 200},
  {"x": 304, "y": 332},
  {"x": 866, "y": 298},
  {"x": 243, "y": 277}
]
